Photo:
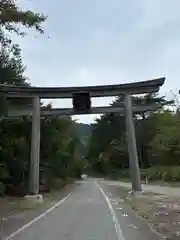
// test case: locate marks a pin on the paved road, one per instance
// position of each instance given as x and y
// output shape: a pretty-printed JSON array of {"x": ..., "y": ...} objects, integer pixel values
[
  {"x": 89, "y": 213},
  {"x": 170, "y": 191}
]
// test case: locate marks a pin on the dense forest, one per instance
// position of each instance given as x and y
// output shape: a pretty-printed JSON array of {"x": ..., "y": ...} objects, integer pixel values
[
  {"x": 157, "y": 136},
  {"x": 62, "y": 142},
  {"x": 69, "y": 148}
]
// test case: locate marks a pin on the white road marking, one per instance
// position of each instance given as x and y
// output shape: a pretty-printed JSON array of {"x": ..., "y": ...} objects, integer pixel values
[
  {"x": 115, "y": 219},
  {"x": 36, "y": 219}
]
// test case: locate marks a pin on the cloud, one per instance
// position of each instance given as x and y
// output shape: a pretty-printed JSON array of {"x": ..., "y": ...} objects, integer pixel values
[{"x": 103, "y": 42}]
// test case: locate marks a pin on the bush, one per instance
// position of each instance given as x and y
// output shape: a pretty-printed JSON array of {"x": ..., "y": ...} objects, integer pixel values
[
  {"x": 2, "y": 189},
  {"x": 19, "y": 190},
  {"x": 69, "y": 180},
  {"x": 57, "y": 183},
  {"x": 165, "y": 173},
  {"x": 143, "y": 174},
  {"x": 154, "y": 173},
  {"x": 119, "y": 174}
]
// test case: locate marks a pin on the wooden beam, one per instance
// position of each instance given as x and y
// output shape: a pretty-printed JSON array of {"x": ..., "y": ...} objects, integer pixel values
[{"x": 95, "y": 91}]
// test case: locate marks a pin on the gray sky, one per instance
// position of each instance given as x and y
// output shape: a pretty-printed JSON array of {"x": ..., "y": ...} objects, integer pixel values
[{"x": 93, "y": 42}]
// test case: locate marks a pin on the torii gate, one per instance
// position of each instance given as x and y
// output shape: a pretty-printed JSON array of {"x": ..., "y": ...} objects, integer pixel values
[{"x": 36, "y": 93}]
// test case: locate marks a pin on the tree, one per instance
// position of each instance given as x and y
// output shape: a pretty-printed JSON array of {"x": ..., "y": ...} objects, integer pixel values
[
  {"x": 62, "y": 149},
  {"x": 109, "y": 136},
  {"x": 60, "y": 153},
  {"x": 11, "y": 72},
  {"x": 11, "y": 69},
  {"x": 11, "y": 66},
  {"x": 108, "y": 128},
  {"x": 15, "y": 134},
  {"x": 165, "y": 146},
  {"x": 11, "y": 18}
]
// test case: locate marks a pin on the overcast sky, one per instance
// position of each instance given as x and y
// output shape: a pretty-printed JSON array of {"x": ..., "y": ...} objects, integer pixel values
[{"x": 92, "y": 42}]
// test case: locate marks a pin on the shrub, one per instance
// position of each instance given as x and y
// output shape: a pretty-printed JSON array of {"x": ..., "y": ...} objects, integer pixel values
[
  {"x": 165, "y": 173},
  {"x": 124, "y": 173},
  {"x": 2, "y": 189},
  {"x": 57, "y": 183},
  {"x": 143, "y": 174},
  {"x": 69, "y": 180},
  {"x": 119, "y": 174}
]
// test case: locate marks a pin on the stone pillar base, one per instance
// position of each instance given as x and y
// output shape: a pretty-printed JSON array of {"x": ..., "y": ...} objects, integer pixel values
[
  {"x": 34, "y": 198},
  {"x": 135, "y": 193}
]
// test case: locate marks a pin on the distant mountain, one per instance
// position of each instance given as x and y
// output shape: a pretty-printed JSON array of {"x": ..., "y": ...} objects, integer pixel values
[
  {"x": 84, "y": 133},
  {"x": 83, "y": 130}
]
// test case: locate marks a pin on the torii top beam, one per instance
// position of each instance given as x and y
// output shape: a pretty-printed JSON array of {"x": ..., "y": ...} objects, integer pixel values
[{"x": 150, "y": 86}]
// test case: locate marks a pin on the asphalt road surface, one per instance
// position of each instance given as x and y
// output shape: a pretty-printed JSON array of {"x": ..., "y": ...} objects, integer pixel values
[{"x": 88, "y": 213}]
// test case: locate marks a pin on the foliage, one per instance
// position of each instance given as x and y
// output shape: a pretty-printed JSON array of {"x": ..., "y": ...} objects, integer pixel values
[
  {"x": 2, "y": 189},
  {"x": 166, "y": 144},
  {"x": 11, "y": 69},
  {"x": 157, "y": 136},
  {"x": 60, "y": 158},
  {"x": 12, "y": 18},
  {"x": 62, "y": 149},
  {"x": 164, "y": 173}
]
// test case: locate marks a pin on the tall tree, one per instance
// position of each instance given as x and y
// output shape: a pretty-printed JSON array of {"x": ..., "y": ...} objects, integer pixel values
[
  {"x": 12, "y": 18},
  {"x": 109, "y": 137}
]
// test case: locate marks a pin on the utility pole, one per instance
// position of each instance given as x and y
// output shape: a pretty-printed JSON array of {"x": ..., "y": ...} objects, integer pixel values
[
  {"x": 132, "y": 149},
  {"x": 35, "y": 148}
]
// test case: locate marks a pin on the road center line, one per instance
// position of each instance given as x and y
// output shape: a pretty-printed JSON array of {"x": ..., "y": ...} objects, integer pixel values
[
  {"x": 115, "y": 219},
  {"x": 36, "y": 219}
]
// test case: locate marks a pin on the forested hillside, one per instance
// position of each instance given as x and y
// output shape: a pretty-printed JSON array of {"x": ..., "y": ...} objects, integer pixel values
[{"x": 84, "y": 133}]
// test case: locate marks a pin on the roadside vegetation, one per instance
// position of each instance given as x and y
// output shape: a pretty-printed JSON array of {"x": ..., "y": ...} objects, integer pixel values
[
  {"x": 60, "y": 158},
  {"x": 158, "y": 142}
]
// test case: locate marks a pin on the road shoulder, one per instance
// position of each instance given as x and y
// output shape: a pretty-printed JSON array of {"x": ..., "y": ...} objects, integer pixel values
[
  {"x": 158, "y": 212},
  {"x": 12, "y": 221},
  {"x": 132, "y": 225}
]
